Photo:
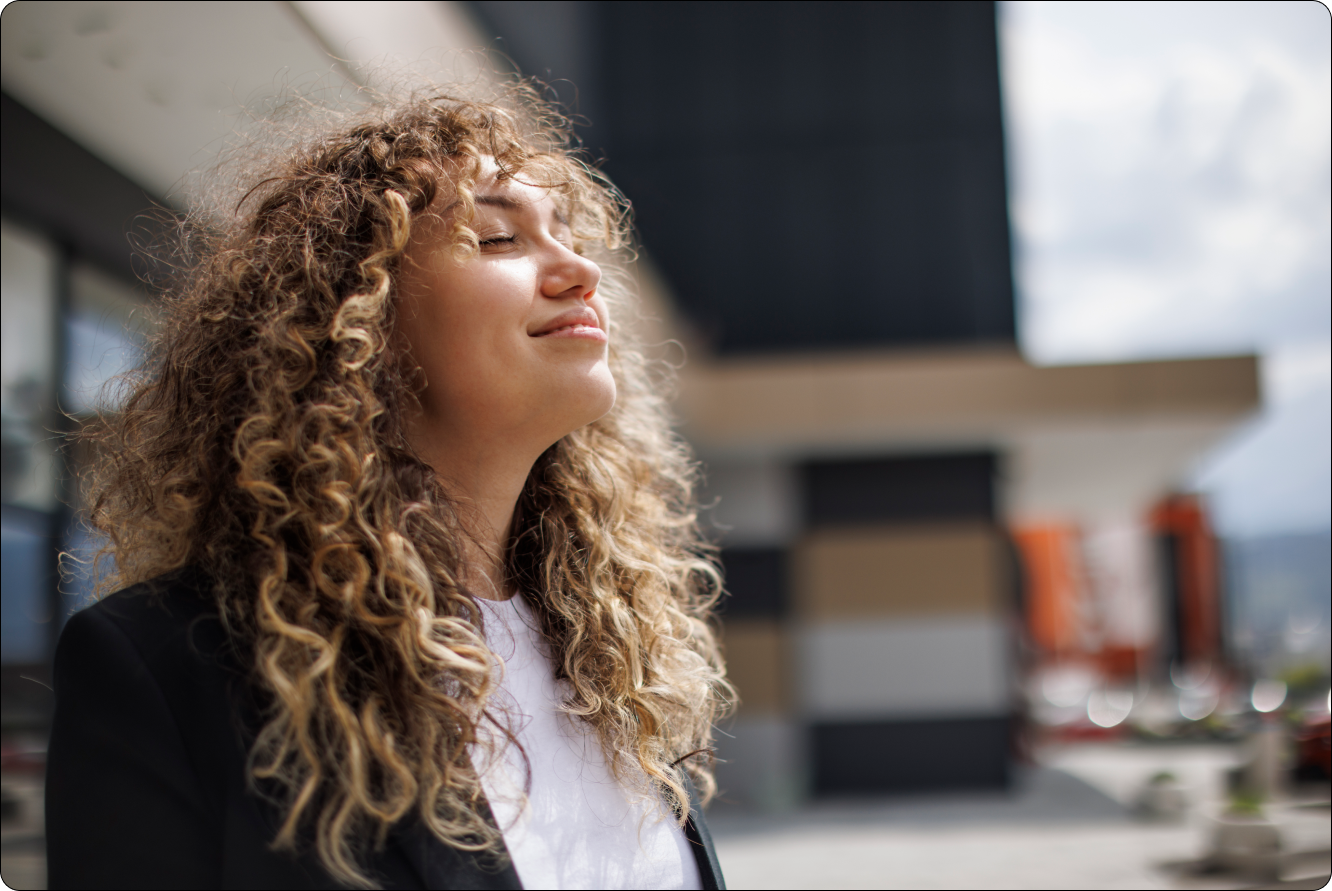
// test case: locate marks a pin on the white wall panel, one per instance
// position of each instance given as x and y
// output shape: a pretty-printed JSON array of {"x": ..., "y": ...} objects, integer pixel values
[
  {"x": 903, "y": 668},
  {"x": 751, "y": 504},
  {"x": 762, "y": 762}
]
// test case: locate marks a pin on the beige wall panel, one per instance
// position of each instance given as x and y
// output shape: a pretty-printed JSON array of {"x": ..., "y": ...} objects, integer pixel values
[
  {"x": 902, "y": 667},
  {"x": 758, "y": 664},
  {"x": 889, "y": 571},
  {"x": 839, "y": 397}
]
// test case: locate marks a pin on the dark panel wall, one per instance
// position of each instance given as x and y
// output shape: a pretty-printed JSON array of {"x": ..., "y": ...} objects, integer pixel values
[
  {"x": 756, "y": 583},
  {"x": 809, "y": 176},
  {"x": 907, "y": 489},
  {"x": 816, "y": 175},
  {"x": 873, "y": 757},
  {"x": 56, "y": 185}
]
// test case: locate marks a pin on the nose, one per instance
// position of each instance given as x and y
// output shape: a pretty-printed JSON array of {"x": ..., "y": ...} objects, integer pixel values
[{"x": 569, "y": 274}]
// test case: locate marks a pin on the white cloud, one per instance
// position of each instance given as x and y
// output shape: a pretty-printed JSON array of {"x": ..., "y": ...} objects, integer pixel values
[
  {"x": 1171, "y": 175},
  {"x": 1296, "y": 370},
  {"x": 1170, "y": 197}
]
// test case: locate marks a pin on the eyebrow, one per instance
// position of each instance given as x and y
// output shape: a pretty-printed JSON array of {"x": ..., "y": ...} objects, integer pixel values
[
  {"x": 500, "y": 201},
  {"x": 506, "y": 203}
]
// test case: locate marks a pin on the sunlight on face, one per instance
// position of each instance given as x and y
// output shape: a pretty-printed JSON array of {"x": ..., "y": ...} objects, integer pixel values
[{"x": 513, "y": 342}]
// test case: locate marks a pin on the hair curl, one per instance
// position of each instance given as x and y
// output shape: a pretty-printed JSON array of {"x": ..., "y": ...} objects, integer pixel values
[{"x": 264, "y": 441}]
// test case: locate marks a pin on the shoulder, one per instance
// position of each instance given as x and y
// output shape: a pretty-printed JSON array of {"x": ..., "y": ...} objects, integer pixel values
[
  {"x": 142, "y": 752},
  {"x": 160, "y": 644},
  {"x": 167, "y": 623},
  {"x": 168, "y": 613}
]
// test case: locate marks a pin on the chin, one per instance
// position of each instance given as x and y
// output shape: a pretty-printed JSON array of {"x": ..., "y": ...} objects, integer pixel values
[
  {"x": 597, "y": 397},
  {"x": 604, "y": 399}
]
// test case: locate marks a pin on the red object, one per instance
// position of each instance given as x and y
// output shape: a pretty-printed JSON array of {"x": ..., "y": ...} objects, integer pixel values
[
  {"x": 1119, "y": 661},
  {"x": 1314, "y": 745},
  {"x": 1084, "y": 732},
  {"x": 25, "y": 761}
]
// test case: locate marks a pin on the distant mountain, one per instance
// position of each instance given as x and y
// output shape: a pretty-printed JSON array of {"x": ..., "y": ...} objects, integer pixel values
[{"x": 1279, "y": 598}]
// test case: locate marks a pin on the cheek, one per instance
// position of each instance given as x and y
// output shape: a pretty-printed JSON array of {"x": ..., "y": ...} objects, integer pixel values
[
  {"x": 482, "y": 297},
  {"x": 424, "y": 329},
  {"x": 415, "y": 329},
  {"x": 467, "y": 332},
  {"x": 433, "y": 310}
]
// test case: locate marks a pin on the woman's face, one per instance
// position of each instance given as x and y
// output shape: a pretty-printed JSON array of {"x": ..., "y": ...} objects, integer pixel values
[{"x": 513, "y": 341}]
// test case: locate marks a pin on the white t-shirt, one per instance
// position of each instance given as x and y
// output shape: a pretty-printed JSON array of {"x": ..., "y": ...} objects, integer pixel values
[{"x": 579, "y": 827}]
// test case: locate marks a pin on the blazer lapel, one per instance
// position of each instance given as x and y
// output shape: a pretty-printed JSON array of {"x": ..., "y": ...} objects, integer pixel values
[
  {"x": 442, "y": 866},
  {"x": 700, "y": 842}
]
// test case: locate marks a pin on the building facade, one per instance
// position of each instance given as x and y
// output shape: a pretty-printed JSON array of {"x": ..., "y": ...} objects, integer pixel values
[{"x": 821, "y": 195}]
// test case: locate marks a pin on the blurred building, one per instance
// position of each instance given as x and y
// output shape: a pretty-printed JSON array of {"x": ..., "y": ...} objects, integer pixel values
[{"x": 821, "y": 189}]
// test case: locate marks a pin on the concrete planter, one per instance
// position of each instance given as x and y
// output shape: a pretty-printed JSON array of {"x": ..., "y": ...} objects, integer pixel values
[
  {"x": 1249, "y": 844},
  {"x": 1264, "y": 844}
]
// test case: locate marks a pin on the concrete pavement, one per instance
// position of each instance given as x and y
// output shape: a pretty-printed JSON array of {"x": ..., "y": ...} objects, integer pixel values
[{"x": 1066, "y": 824}]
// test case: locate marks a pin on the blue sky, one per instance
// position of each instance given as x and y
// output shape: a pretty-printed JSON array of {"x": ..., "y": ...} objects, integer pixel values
[{"x": 1171, "y": 176}]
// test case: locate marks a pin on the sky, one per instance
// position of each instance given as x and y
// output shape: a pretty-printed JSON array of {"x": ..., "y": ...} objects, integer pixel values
[{"x": 1171, "y": 195}]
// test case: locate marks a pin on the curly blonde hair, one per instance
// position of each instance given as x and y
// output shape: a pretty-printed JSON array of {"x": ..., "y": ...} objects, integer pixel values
[{"x": 264, "y": 442}]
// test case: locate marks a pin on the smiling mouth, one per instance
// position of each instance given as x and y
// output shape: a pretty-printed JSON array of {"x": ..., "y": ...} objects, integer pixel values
[
  {"x": 578, "y": 330},
  {"x": 582, "y": 323}
]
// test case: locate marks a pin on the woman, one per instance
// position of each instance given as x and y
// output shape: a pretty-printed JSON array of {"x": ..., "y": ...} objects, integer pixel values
[{"x": 415, "y": 594}]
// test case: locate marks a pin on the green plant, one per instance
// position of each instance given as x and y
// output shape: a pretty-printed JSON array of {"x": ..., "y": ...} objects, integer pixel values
[{"x": 1245, "y": 802}]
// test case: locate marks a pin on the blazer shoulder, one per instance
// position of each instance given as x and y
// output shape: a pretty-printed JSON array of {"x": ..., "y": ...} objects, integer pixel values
[
  {"x": 166, "y": 634},
  {"x": 139, "y": 755},
  {"x": 158, "y": 608},
  {"x": 172, "y": 621}
]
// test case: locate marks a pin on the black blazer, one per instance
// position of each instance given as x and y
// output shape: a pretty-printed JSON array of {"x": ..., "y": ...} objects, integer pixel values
[{"x": 145, "y": 784}]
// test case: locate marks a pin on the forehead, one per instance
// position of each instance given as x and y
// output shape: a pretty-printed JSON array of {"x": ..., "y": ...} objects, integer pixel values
[
  {"x": 540, "y": 179},
  {"x": 511, "y": 194},
  {"x": 514, "y": 195}
]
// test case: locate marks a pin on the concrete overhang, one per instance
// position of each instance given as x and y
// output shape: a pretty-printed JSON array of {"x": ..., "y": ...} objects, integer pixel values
[
  {"x": 1078, "y": 441},
  {"x": 157, "y": 90}
]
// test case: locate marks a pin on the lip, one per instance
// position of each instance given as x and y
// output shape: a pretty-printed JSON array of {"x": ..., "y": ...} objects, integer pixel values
[{"x": 581, "y": 322}]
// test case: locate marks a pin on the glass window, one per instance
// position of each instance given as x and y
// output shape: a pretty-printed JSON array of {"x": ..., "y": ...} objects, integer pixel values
[
  {"x": 27, "y": 385},
  {"x": 27, "y": 607},
  {"x": 105, "y": 332},
  {"x": 27, "y": 282},
  {"x": 103, "y": 328}
]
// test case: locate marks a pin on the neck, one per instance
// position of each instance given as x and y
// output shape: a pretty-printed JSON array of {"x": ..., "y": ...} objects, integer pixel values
[{"x": 486, "y": 480}]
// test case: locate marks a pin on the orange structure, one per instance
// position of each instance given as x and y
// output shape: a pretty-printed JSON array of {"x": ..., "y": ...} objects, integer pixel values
[
  {"x": 1054, "y": 576},
  {"x": 1070, "y": 617}
]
